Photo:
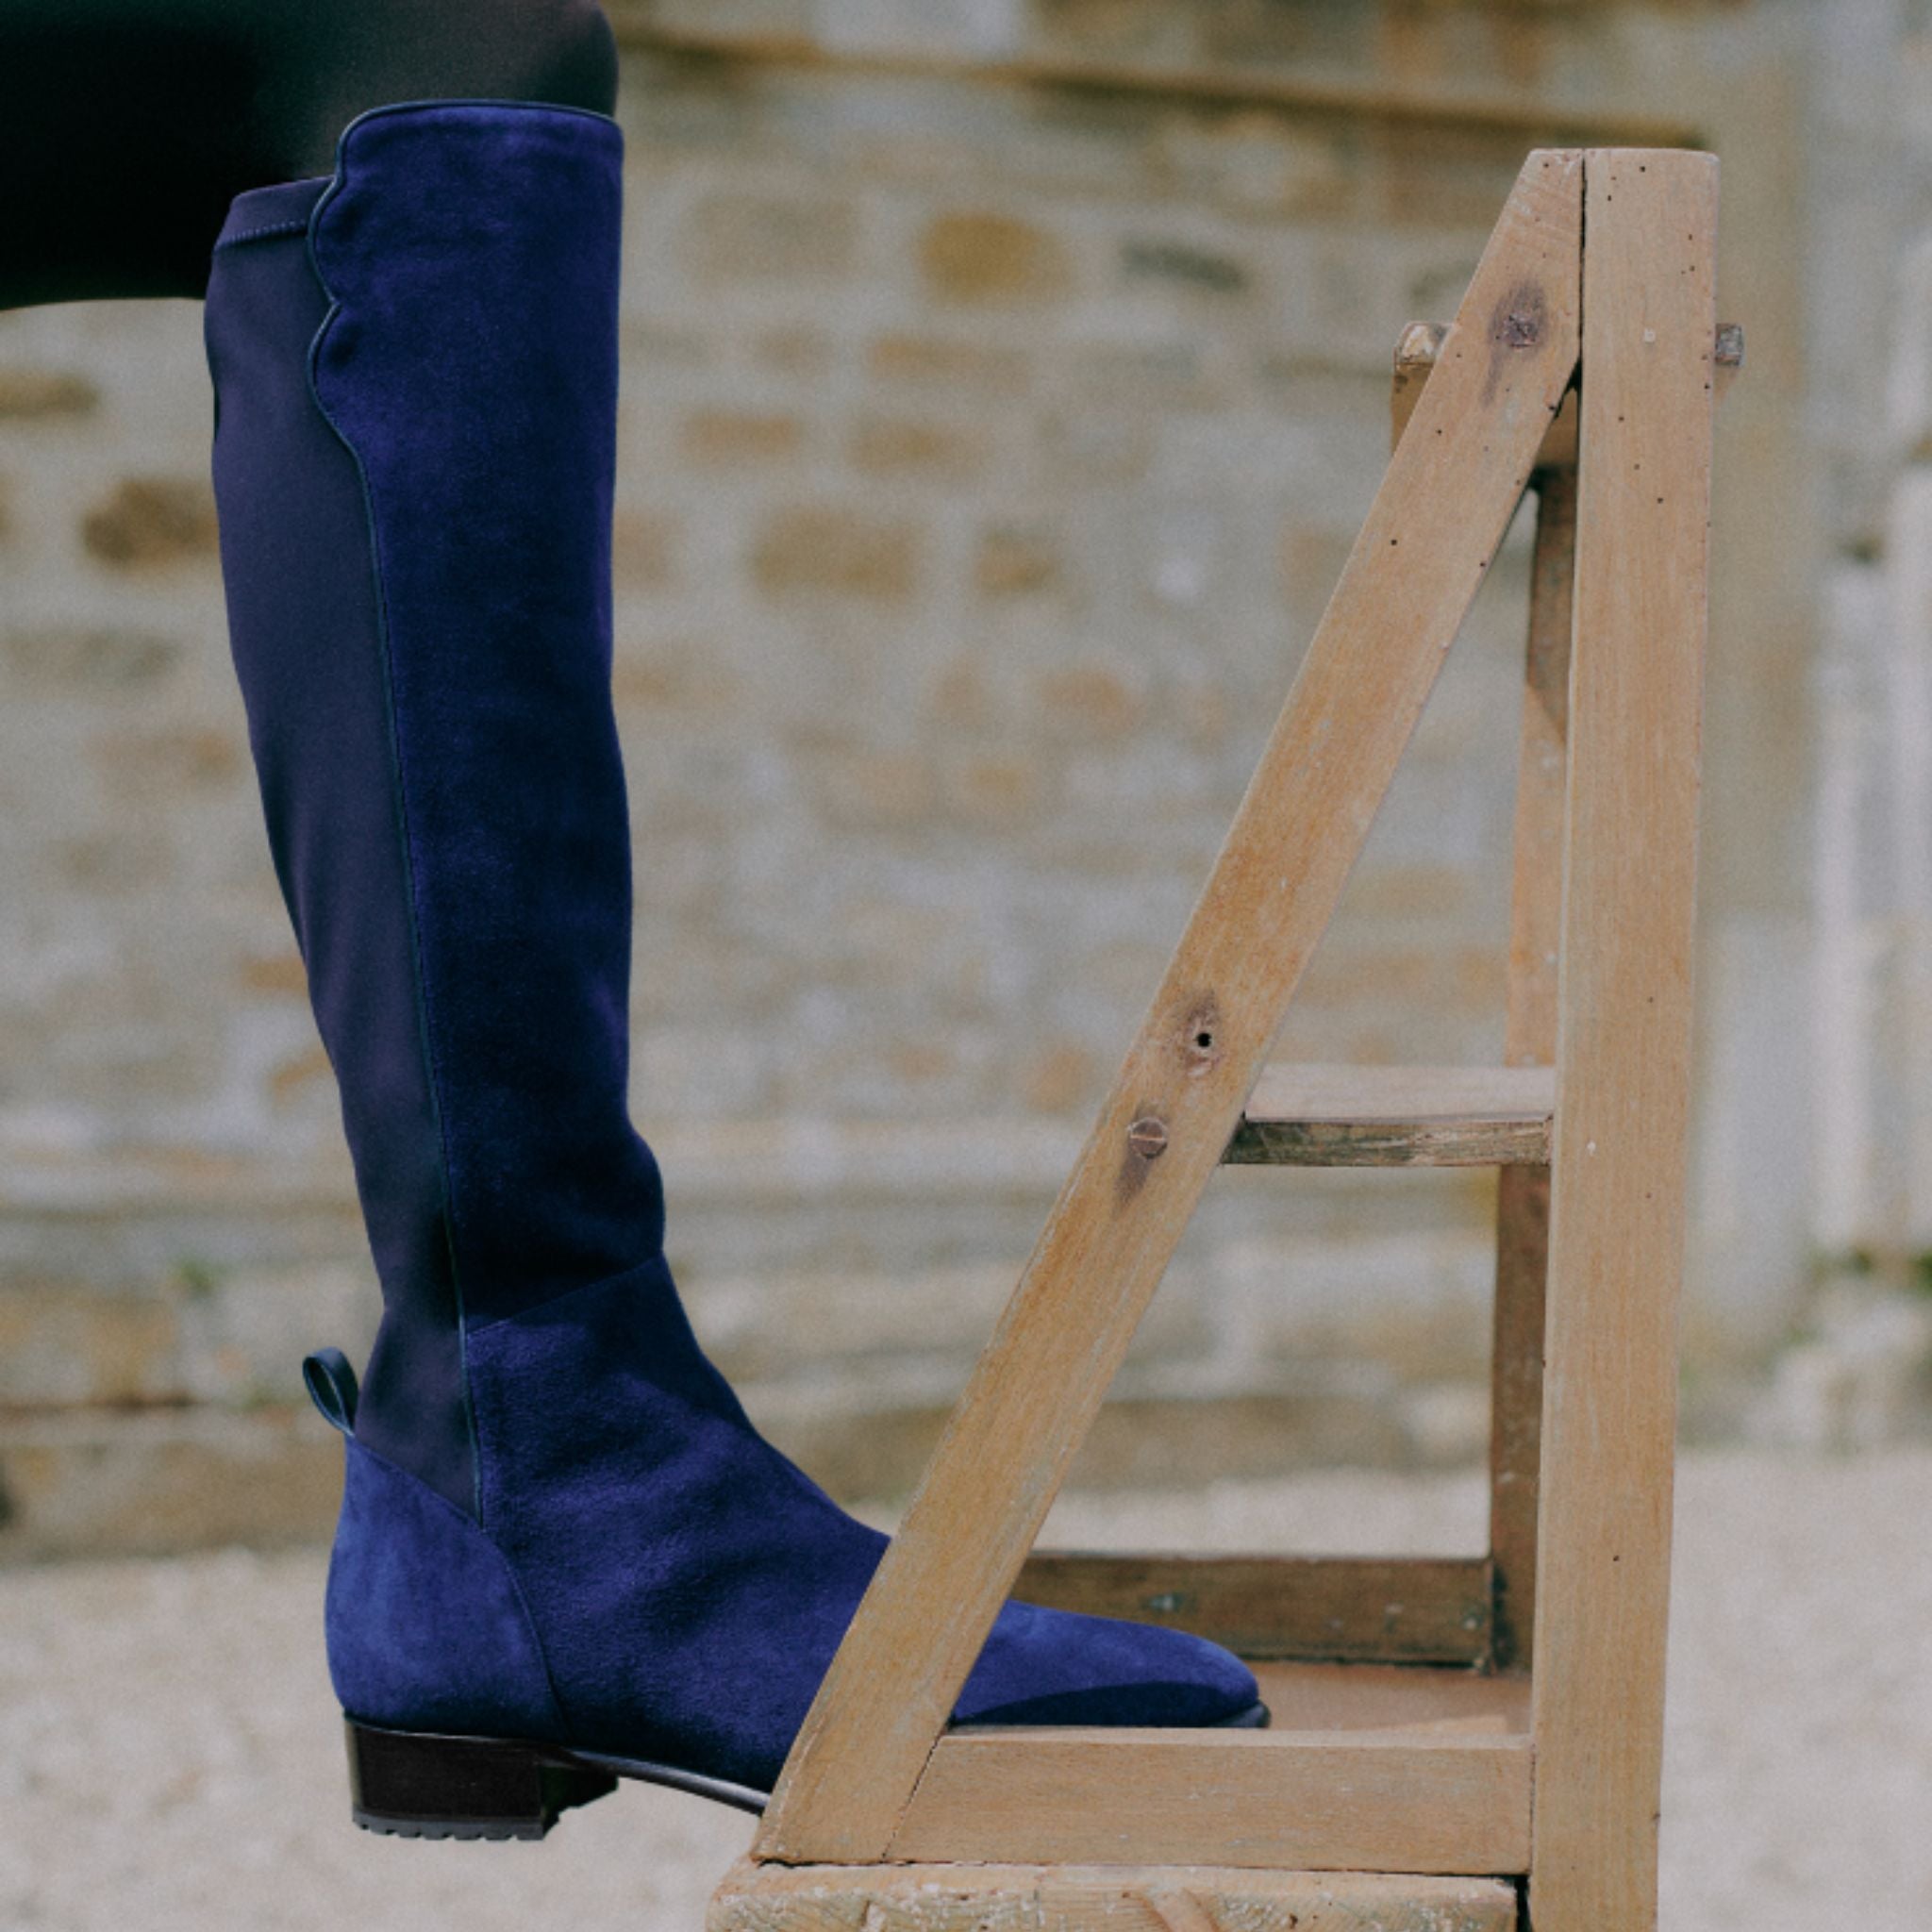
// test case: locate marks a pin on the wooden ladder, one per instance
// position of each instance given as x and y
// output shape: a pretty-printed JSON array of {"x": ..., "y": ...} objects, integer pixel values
[{"x": 1442, "y": 1730}]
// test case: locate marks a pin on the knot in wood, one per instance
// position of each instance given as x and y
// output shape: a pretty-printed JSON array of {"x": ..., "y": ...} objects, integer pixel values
[{"x": 1147, "y": 1137}]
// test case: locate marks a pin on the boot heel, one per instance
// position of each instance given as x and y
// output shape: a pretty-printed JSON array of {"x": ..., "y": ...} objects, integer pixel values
[{"x": 414, "y": 1785}]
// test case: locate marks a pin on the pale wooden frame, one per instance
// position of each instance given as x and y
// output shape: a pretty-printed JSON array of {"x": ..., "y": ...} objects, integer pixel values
[{"x": 875, "y": 1774}]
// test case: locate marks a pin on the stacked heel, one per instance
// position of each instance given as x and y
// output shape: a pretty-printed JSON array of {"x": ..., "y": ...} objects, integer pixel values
[{"x": 412, "y": 1784}]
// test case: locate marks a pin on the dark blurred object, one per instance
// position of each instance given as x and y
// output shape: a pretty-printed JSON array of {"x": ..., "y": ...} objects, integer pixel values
[{"x": 126, "y": 126}]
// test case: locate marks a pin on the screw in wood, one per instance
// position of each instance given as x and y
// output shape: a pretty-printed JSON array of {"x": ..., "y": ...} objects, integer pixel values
[{"x": 1147, "y": 1137}]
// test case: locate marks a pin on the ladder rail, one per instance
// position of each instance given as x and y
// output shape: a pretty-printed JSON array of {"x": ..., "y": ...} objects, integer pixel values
[{"x": 1423, "y": 553}]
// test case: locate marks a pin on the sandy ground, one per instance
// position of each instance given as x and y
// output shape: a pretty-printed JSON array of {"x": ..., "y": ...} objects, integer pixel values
[{"x": 170, "y": 1758}]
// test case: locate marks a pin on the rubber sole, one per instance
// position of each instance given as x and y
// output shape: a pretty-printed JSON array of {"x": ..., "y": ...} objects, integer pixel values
[{"x": 422, "y": 1784}]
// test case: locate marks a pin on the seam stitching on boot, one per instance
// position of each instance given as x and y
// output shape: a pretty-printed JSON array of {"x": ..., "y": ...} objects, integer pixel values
[
  {"x": 563, "y": 1294},
  {"x": 510, "y": 1571},
  {"x": 295, "y": 228}
]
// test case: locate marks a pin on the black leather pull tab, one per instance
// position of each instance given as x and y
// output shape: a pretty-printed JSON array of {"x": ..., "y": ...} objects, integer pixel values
[{"x": 331, "y": 1385}]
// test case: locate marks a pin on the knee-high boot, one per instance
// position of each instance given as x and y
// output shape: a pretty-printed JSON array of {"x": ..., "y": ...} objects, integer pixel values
[{"x": 565, "y": 1551}]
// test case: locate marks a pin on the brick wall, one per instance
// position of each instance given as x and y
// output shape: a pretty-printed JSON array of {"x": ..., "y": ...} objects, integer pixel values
[{"x": 1002, "y": 387}]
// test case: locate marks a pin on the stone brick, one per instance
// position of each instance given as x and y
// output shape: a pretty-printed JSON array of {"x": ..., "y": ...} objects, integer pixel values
[
  {"x": 1089, "y": 701},
  {"x": 684, "y": 674},
  {"x": 1439, "y": 178},
  {"x": 68, "y": 1343},
  {"x": 888, "y": 445},
  {"x": 288, "y": 1077},
  {"x": 1015, "y": 561},
  {"x": 797, "y": 349},
  {"x": 1060, "y": 1077},
  {"x": 1096, "y": 445},
  {"x": 920, "y": 1062},
  {"x": 148, "y": 1484},
  {"x": 1096, "y": 27},
  {"x": 246, "y": 1321},
  {"x": 1399, "y": 978},
  {"x": 1146, "y": 1442},
  {"x": 168, "y": 759},
  {"x": 29, "y": 395},
  {"x": 719, "y": 437},
  {"x": 643, "y": 549},
  {"x": 960, "y": 700},
  {"x": 124, "y": 861},
  {"x": 650, "y": 342},
  {"x": 150, "y": 520},
  {"x": 876, "y": 788},
  {"x": 1255, "y": 163},
  {"x": 994, "y": 790},
  {"x": 840, "y": 552},
  {"x": 1202, "y": 715},
  {"x": 280, "y": 974},
  {"x": 732, "y": 236},
  {"x": 1180, "y": 264},
  {"x": 130, "y": 1061},
  {"x": 991, "y": 259},
  {"x": 62, "y": 656},
  {"x": 943, "y": 362},
  {"x": 1159, "y": 375}
]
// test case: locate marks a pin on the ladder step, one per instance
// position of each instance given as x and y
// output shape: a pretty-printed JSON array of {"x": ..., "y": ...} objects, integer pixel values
[{"x": 1342, "y": 1116}]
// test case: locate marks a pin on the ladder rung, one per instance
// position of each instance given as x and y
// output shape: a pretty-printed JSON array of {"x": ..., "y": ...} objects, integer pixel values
[{"x": 1340, "y": 1116}]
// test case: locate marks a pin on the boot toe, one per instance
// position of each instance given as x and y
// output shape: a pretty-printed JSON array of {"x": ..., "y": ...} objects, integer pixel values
[{"x": 1054, "y": 1667}]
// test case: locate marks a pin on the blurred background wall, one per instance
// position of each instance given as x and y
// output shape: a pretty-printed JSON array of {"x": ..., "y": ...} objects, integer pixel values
[{"x": 1003, "y": 384}]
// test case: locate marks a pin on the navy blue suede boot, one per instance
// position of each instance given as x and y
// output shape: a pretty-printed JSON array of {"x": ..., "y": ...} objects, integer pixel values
[{"x": 564, "y": 1552}]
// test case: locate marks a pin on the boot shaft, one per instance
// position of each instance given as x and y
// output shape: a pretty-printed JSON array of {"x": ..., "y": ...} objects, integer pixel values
[{"x": 415, "y": 366}]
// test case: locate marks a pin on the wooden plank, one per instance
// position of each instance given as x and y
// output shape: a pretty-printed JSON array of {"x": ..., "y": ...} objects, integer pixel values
[
  {"x": 1352, "y": 1116},
  {"x": 1516, "y": 1396},
  {"x": 1529, "y": 1039},
  {"x": 1426, "y": 546},
  {"x": 1416, "y": 350},
  {"x": 1318, "y": 1801},
  {"x": 1415, "y": 1699},
  {"x": 1425, "y": 1609},
  {"x": 1099, "y": 1898},
  {"x": 1624, "y": 1038},
  {"x": 1289, "y": 1090},
  {"x": 1421, "y": 342},
  {"x": 1543, "y": 765}
]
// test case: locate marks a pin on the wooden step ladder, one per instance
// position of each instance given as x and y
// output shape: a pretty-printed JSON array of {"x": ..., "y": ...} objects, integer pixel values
[{"x": 1446, "y": 1734}]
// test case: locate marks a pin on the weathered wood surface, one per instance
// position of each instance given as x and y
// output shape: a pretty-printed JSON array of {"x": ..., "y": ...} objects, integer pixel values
[
  {"x": 1416, "y": 350},
  {"x": 1099, "y": 1898},
  {"x": 1516, "y": 1394},
  {"x": 1421, "y": 342},
  {"x": 1352, "y": 1116},
  {"x": 1416, "y": 1699},
  {"x": 1446, "y": 1801},
  {"x": 1419, "y": 1609},
  {"x": 1622, "y": 1037},
  {"x": 1529, "y": 1039},
  {"x": 1423, "y": 550},
  {"x": 1543, "y": 765}
]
